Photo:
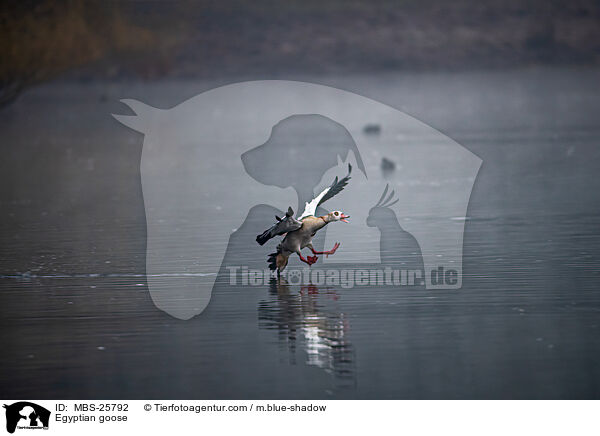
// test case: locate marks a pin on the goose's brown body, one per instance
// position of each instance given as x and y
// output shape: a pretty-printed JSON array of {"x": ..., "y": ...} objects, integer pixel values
[
  {"x": 295, "y": 241},
  {"x": 298, "y": 233},
  {"x": 302, "y": 238}
]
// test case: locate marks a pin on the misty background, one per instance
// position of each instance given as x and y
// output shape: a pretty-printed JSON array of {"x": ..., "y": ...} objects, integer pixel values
[
  {"x": 153, "y": 40},
  {"x": 515, "y": 82}
]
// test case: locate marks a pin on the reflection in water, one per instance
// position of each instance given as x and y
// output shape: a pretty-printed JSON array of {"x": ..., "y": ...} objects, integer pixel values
[
  {"x": 524, "y": 325},
  {"x": 308, "y": 318}
]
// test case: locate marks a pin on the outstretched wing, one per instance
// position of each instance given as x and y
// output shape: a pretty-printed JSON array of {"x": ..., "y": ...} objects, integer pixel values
[
  {"x": 282, "y": 226},
  {"x": 335, "y": 188}
]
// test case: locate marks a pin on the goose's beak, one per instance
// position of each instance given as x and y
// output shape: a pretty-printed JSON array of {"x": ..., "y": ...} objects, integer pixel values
[{"x": 343, "y": 218}]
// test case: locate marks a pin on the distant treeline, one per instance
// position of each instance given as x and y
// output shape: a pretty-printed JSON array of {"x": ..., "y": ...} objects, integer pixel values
[{"x": 99, "y": 38}]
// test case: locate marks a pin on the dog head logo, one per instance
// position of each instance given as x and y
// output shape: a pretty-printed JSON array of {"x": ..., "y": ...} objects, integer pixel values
[
  {"x": 303, "y": 147},
  {"x": 211, "y": 159},
  {"x": 26, "y": 415}
]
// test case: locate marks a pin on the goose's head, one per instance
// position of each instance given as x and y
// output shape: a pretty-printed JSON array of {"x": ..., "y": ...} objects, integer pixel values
[{"x": 337, "y": 215}]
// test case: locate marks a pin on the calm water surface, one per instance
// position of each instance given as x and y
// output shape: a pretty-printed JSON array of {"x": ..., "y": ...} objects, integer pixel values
[{"x": 78, "y": 322}]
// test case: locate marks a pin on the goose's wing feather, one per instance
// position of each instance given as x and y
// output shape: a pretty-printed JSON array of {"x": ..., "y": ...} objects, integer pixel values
[
  {"x": 335, "y": 188},
  {"x": 311, "y": 208},
  {"x": 281, "y": 227}
]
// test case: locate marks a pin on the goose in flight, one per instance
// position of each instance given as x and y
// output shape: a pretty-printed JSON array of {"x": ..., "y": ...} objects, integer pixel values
[{"x": 299, "y": 232}]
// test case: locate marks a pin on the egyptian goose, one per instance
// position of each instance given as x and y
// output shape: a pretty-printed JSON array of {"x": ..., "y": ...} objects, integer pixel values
[{"x": 300, "y": 231}]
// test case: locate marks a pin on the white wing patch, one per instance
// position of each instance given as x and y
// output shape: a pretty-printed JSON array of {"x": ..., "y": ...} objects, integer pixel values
[{"x": 311, "y": 208}]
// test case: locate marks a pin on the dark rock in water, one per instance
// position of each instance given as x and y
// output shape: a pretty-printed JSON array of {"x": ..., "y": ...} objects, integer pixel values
[
  {"x": 387, "y": 165},
  {"x": 372, "y": 129}
]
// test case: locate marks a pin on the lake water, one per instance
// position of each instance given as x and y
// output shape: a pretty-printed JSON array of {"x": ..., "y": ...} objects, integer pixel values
[{"x": 78, "y": 322}]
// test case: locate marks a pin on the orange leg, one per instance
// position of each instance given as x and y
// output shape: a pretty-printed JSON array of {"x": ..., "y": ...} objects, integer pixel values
[
  {"x": 327, "y": 253},
  {"x": 309, "y": 260}
]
